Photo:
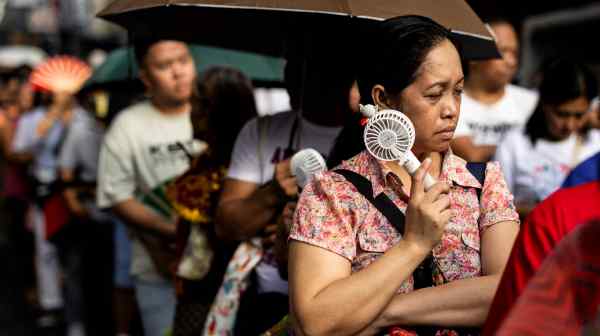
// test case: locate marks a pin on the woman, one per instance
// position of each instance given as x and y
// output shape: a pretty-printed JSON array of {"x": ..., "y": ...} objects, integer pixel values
[
  {"x": 536, "y": 160},
  {"x": 226, "y": 103},
  {"x": 350, "y": 271}
]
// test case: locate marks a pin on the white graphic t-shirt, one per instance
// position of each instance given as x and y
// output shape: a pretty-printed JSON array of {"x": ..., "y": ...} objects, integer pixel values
[
  {"x": 487, "y": 124},
  {"x": 142, "y": 149}
]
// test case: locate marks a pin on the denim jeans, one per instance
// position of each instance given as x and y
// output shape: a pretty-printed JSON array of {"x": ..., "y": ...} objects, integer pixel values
[
  {"x": 156, "y": 301},
  {"x": 122, "y": 254}
]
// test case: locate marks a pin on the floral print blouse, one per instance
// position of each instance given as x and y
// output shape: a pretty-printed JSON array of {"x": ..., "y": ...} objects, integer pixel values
[{"x": 333, "y": 215}]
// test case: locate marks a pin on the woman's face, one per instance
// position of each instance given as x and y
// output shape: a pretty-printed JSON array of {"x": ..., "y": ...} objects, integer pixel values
[
  {"x": 567, "y": 118},
  {"x": 432, "y": 101}
]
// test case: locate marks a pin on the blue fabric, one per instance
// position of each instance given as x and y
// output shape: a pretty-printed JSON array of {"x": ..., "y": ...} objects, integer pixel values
[
  {"x": 587, "y": 171},
  {"x": 156, "y": 301},
  {"x": 122, "y": 276}
]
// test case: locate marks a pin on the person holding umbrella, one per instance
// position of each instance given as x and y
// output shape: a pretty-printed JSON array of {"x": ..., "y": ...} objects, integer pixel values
[{"x": 350, "y": 271}]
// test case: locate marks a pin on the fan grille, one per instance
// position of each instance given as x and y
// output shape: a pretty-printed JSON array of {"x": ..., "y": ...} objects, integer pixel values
[
  {"x": 389, "y": 135},
  {"x": 305, "y": 164}
]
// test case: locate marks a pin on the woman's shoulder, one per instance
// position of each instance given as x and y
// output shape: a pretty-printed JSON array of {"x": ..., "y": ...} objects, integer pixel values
[{"x": 333, "y": 183}]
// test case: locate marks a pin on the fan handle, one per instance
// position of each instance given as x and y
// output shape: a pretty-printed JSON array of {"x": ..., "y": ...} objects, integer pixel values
[{"x": 411, "y": 163}]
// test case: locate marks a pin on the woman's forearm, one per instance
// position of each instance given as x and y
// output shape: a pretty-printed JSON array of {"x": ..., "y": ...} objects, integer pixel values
[
  {"x": 350, "y": 304},
  {"x": 461, "y": 303}
]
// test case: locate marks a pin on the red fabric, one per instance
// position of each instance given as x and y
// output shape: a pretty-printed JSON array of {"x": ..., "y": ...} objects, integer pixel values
[
  {"x": 549, "y": 222},
  {"x": 562, "y": 297},
  {"x": 56, "y": 214}
]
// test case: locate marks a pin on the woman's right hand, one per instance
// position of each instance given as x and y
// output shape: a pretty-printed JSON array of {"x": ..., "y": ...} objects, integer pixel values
[{"x": 428, "y": 212}]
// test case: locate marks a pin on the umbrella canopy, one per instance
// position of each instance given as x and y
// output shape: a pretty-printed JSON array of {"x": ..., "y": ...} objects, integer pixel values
[
  {"x": 266, "y": 25},
  {"x": 121, "y": 65}
]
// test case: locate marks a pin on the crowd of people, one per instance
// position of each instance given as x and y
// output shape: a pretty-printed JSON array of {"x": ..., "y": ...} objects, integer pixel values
[{"x": 170, "y": 208}]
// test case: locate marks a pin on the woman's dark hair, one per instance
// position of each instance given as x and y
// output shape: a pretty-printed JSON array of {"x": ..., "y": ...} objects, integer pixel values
[
  {"x": 348, "y": 143},
  {"x": 402, "y": 45},
  {"x": 562, "y": 81},
  {"x": 226, "y": 103}
]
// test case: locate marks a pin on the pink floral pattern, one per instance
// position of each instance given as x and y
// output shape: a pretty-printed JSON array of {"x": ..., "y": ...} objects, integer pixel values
[{"x": 332, "y": 214}]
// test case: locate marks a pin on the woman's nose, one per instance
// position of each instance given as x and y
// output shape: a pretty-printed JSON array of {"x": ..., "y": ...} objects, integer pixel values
[{"x": 451, "y": 108}]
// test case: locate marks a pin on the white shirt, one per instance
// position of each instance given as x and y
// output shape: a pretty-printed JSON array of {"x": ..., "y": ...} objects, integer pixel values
[
  {"x": 487, "y": 124},
  {"x": 140, "y": 151},
  {"x": 255, "y": 163},
  {"x": 534, "y": 172},
  {"x": 81, "y": 149}
]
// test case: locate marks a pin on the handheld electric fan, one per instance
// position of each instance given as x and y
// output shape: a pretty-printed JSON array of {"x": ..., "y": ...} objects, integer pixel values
[
  {"x": 389, "y": 136},
  {"x": 305, "y": 164}
]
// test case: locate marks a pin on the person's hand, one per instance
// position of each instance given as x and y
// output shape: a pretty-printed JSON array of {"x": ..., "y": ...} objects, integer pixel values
[
  {"x": 285, "y": 180},
  {"x": 167, "y": 228},
  {"x": 269, "y": 235},
  {"x": 428, "y": 212}
]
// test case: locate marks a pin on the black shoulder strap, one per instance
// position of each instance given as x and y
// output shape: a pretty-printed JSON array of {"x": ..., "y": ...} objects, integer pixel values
[
  {"x": 477, "y": 169},
  {"x": 290, "y": 150},
  {"x": 382, "y": 203}
]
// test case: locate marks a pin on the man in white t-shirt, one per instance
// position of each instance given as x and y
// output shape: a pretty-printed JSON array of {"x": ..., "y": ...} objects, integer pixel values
[
  {"x": 259, "y": 181},
  {"x": 146, "y": 145},
  {"x": 491, "y": 106}
]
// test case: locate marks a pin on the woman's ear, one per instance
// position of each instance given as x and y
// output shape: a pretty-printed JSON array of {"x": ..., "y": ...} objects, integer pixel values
[{"x": 379, "y": 97}]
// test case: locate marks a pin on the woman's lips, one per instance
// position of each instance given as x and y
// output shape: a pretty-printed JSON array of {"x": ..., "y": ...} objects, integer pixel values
[{"x": 447, "y": 133}]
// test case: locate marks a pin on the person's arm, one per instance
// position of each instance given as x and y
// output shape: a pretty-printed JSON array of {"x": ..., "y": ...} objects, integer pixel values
[
  {"x": 464, "y": 147},
  {"x": 327, "y": 298},
  {"x": 245, "y": 209},
  {"x": 463, "y": 303},
  {"x": 117, "y": 184},
  {"x": 137, "y": 214},
  {"x": 331, "y": 301}
]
